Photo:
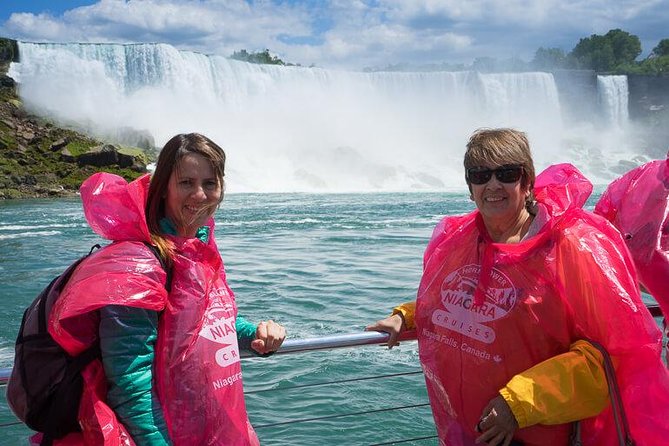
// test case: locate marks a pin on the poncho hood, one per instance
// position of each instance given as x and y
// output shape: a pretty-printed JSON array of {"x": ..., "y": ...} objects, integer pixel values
[
  {"x": 561, "y": 187},
  {"x": 114, "y": 208}
]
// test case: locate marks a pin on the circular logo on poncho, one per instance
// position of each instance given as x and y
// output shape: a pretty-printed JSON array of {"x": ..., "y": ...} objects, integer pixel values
[
  {"x": 219, "y": 327},
  {"x": 462, "y": 315}
]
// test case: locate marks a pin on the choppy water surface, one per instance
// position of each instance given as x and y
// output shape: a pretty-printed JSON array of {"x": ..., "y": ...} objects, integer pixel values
[{"x": 319, "y": 264}]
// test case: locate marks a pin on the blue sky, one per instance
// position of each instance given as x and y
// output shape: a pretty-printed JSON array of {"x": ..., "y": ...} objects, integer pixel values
[{"x": 347, "y": 34}]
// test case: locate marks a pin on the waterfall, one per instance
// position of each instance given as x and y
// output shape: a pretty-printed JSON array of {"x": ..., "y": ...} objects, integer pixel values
[
  {"x": 613, "y": 99},
  {"x": 288, "y": 128}
]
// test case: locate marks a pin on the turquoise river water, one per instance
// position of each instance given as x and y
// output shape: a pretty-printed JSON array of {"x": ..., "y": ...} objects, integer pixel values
[{"x": 319, "y": 264}]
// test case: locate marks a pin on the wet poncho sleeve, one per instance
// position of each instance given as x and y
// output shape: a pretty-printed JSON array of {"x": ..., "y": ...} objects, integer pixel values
[
  {"x": 246, "y": 332},
  {"x": 565, "y": 388},
  {"x": 127, "y": 341},
  {"x": 408, "y": 311}
]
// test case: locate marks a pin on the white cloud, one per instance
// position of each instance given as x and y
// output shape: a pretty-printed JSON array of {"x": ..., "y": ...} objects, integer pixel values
[
  {"x": 148, "y": 15},
  {"x": 382, "y": 44},
  {"x": 405, "y": 10},
  {"x": 49, "y": 28},
  {"x": 350, "y": 33},
  {"x": 200, "y": 25},
  {"x": 519, "y": 11}
]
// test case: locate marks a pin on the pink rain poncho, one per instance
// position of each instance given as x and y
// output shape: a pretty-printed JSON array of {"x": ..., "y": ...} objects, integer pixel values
[
  {"x": 638, "y": 205},
  {"x": 487, "y": 311},
  {"x": 197, "y": 364}
]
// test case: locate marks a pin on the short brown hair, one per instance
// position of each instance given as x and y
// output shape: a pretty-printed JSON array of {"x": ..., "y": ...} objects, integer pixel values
[{"x": 500, "y": 146}]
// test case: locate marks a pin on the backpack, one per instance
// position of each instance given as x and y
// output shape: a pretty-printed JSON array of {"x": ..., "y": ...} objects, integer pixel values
[{"x": 45, "y": 386}]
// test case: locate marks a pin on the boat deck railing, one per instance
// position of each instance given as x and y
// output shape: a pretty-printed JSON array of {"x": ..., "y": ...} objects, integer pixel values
[
  {"x": 304, "y": 345},
  {"x": 293, "y": 346}
]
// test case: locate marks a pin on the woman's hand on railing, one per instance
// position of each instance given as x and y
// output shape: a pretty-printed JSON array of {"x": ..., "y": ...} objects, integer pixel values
[
  {"x": 269, "y": 337},
  {"x": 393, "y": 325}
]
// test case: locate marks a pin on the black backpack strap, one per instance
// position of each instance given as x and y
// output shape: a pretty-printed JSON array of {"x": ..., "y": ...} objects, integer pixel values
[
  {"x": 63, "y": 279},
  {"x": 41, "y": 310},
  {"x": 163, "y": 263},
  {"x": 82, "y": 360},
  {"x": 617, "y": 408},
  {"x": 619, "y": 416},
  {"x": 93, "y": 248}
]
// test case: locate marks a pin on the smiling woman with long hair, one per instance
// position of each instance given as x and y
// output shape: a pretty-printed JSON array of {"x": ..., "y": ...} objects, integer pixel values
[{"x": 157, "y": 301}]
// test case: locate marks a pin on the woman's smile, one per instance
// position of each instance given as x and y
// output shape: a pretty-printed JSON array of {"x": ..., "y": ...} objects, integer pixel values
[
  {"x": 193, "y": 209},
  {"x": 494, "y": 199},
  {"x": 193, "y": 194}
]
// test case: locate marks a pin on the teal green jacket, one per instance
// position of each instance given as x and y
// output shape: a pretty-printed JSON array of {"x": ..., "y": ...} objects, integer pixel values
[{"x": 128, "y": 337}]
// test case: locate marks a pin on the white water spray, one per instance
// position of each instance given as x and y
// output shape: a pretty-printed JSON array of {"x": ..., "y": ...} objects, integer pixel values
[{"x": 295, "y": 128}]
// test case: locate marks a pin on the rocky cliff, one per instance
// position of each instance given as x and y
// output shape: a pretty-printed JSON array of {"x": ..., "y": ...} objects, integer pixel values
[{"x": 39, "y": 159}]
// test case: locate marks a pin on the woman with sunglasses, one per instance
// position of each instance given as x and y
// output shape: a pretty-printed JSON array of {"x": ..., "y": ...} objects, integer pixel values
[{"x": 513, "y": 301}]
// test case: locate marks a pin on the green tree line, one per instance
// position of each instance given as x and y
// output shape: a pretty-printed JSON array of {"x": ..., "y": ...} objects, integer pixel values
[
  {"x": 615, "y": 52},
  {"x": 259, "y": 57}
]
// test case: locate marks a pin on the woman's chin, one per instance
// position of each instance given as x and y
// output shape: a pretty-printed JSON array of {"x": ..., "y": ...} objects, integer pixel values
[{"x": 496, "y": 210}]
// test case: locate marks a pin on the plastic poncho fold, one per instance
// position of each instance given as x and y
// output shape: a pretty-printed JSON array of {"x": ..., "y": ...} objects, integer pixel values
[
  {"x": 572, "y": 280},
  {"x": 197, "y": 367},
  {"x": 637, "y": 204}
]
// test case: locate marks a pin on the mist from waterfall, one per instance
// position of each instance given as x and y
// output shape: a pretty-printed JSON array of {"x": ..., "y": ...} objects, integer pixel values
[{"x": 310, "y": 129}]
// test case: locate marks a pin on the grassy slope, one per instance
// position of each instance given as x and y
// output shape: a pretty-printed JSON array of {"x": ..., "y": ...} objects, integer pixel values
[{"x": 32, "y": 161}]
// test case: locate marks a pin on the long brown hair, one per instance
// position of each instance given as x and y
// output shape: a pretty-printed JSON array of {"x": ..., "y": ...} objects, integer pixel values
[{"x": 169, "y": 162}]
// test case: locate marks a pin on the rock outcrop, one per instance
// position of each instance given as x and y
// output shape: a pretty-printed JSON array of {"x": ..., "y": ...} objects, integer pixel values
[{"x": 40, "y": 159}]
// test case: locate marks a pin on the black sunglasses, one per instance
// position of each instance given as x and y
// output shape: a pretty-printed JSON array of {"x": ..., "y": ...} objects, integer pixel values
[{"x": 509, "y": 173}]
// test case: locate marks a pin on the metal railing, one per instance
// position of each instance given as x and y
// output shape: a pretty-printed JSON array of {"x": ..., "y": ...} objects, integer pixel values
[
  {"x": 331, "y": 342},
  {"x": 291, "y": 346},
  {"x": 335, "y": 341},
  {"x": 305, "y": 345}
]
